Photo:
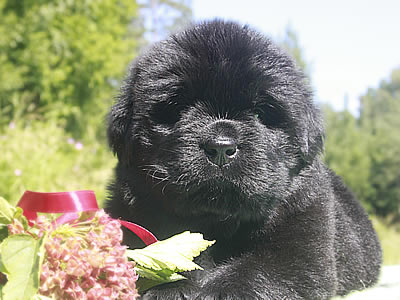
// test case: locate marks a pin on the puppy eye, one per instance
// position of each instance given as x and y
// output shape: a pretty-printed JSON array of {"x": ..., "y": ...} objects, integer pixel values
[
  {"x": 166, "y": 113},
  {"x": 271, "y": 116},
  {"x": 257, "y": 115}
]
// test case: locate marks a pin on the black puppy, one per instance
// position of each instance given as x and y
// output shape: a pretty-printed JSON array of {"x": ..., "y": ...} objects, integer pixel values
[{"x": 216, "y": 132}]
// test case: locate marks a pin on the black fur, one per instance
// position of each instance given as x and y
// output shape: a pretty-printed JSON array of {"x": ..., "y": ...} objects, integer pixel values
[{"x": 285, "y": 226}]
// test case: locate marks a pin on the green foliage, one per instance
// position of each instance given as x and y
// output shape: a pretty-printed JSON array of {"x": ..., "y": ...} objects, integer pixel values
[
  {"x": 365, "y": 151},
  {"x": 380, "y": 110},
  {"x": 175, "y": 253},
  {"x": 7, "y": 212},
  {"x": 61, "y": 62},
  {"x": 60, "y": 59},
  {"x": 345, "y": 148},
  {"x": 21, "y": 257},
  {"x": 159, "y": 263},
  {"x": 42, "y": 157}
]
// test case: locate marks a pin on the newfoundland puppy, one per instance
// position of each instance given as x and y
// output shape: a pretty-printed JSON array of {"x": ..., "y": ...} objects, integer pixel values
[{"x": 216, "y": 132}]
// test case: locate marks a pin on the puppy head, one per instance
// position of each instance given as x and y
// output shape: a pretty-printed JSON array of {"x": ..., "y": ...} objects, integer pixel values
[{"x": 221, "y": 116}]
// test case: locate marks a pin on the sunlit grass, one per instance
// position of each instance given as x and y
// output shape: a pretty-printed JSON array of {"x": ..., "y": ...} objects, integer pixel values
[
  {"x": 389, "y": 236},
  {"x": 42, "y": 157}
]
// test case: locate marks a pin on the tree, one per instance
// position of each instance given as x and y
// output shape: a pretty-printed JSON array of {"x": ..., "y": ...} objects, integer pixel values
[
  {"x": 379, "y": 119},
  {"x": 61, "y": 60},
  {"x": 345, "y": 152},
  {"x": 365, "y": 151}
]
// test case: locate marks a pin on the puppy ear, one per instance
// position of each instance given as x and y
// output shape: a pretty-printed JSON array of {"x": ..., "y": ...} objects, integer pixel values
[
  {"x": 120, "y": 120},
  {"x": 118, "y": 125}
]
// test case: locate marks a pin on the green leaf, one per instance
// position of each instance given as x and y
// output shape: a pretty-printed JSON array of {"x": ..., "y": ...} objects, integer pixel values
[
  {"x": 175, "y": 254},
  {"x": 7, "y": 212},
  {"x": 154, "y": 275},
  {"x": 21, "y": 257},
  {"x": 3, "y": 232},
  {"x": 149, "y": 278},
  {"x": 171, "y": 261},
  {"x": 19, "y": 214},
  {"x": 158, "y": 263}
]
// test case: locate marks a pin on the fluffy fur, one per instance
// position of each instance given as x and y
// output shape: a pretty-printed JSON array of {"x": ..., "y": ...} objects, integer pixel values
[{"x": 216, "y": 132}]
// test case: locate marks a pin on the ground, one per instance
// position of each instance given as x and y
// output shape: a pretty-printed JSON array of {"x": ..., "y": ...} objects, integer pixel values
[{"x": 388, "y": 287}]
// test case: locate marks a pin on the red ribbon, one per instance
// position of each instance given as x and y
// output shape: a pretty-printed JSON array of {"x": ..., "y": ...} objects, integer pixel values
[{"x": 70, "y": 203}]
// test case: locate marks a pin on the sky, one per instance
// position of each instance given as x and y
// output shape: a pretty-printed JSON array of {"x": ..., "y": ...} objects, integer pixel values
[{"x": 350, "y": 45}]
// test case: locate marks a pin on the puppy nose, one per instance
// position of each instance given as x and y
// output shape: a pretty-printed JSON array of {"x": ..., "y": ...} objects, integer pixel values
[{"x": 220, "y": 151}]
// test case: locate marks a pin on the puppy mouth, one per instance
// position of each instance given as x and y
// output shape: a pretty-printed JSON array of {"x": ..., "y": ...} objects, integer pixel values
[
  {"x": 214, "y": 179},
  {"x": 217, "y": 179},
  {"x": 218, "y": 196}
]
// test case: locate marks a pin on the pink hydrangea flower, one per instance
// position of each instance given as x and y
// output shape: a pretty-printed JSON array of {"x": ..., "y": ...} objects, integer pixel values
[{"x": 86, "y": 261}]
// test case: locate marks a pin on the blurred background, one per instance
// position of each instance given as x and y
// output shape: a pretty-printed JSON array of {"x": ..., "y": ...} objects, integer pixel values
[{"x": 62, "y": 62}]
